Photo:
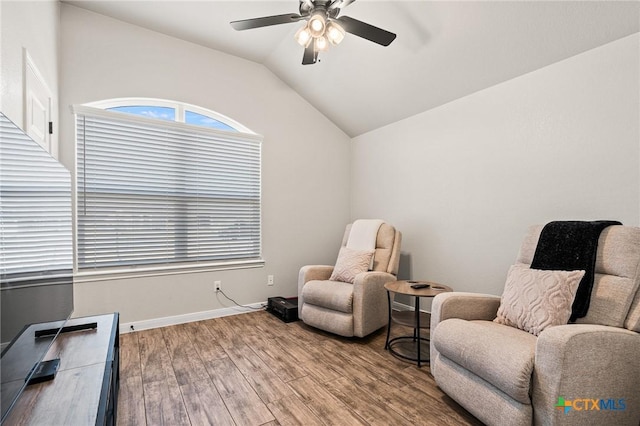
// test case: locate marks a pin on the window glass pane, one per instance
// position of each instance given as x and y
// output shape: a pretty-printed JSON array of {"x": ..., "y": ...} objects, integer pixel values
[
  {"x": 202, "y": 120},
  {"x": 158, "y": 112}
]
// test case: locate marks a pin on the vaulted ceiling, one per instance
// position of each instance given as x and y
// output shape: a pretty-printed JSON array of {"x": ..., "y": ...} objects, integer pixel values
[{"x": 444, "y": 50}]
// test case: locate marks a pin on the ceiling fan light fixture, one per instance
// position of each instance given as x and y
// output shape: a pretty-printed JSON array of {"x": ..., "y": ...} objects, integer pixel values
[
  {"x": 321, "y": 44},
  {"x": 303, "y": 36},
  {"x": 322, "y": 26},
  {"x": 317, "y": 24},
  {"x": 335, "y": 33}
]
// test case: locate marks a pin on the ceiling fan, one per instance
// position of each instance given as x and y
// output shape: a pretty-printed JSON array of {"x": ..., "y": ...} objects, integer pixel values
[{"x": 322, "y": 27}]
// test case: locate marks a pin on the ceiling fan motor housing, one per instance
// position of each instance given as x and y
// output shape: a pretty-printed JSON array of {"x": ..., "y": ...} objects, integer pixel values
[{"x": 308, "y": 7}]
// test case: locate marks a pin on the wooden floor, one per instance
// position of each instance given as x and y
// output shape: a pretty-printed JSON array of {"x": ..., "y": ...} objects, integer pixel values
[{"x": 253, "y": 369}]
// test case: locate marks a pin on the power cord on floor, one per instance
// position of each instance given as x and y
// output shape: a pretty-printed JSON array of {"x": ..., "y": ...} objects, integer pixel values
[{"x": 237, "y": 304}]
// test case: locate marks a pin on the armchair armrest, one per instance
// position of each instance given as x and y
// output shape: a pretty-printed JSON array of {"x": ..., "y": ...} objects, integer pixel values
[
  {"x": 373, "y": 278},
  {"x": 368, "y": 290},
  {"x": 468, "y": 306},
  {"x": 315, "y": 272},
  {"x": 309, "y": 273},
  {"x": 586, "y": 361}
]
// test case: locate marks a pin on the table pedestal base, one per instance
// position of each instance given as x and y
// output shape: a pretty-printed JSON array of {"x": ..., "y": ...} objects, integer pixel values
[{"x": 406, "y": 347}]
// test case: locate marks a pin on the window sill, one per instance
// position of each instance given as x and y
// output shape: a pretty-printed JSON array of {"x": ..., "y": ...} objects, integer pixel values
[{"x": 153, "y": 271}]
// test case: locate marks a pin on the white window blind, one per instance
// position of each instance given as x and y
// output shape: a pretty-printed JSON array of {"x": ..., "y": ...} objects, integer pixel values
[
  {"x": 35, "y": 211},
  {"x": 152, "y": 192}
]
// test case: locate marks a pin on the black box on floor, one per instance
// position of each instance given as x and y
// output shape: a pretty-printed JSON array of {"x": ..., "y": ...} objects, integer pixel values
[{"x": 284, "y": 308}]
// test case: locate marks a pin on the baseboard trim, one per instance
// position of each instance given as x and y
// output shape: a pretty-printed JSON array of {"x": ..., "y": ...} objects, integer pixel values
[
  {"x": 397, "y": 306},
  {"x": 128, "y": 327}
]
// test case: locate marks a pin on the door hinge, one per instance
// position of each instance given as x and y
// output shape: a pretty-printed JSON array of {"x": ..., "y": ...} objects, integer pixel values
[{"x": 51, "y": 127}]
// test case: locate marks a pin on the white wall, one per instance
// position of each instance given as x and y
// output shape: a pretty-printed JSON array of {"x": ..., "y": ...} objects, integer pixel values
[
  {"x": 305, "y": 176},
  {"x": 463, "y": 181},
  {"x": 34, "y": 26}
]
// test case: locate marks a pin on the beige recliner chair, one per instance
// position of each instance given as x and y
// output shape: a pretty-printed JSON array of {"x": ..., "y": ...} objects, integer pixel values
[
  {"x": 586, "y": 373},
  {"x": 351, "y": 309}
]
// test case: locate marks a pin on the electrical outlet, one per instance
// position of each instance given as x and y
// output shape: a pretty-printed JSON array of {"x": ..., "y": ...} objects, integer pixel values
[
  {"x": 217, "y": 286},
  {"x": 269, "y": 279}
]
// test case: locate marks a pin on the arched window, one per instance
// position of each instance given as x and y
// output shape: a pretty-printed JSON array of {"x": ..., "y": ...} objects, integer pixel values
[
  {"x": 163, "y": 184},
  {"x": 171, "y": 111}
]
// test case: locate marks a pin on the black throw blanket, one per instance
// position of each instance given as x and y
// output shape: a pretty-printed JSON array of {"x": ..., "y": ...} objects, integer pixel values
[{"x": 570, "y": 246}]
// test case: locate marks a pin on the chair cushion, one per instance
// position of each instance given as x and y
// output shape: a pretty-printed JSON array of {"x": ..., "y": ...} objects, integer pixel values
[
  {"x": 385, "y": 258},
  {"x": 334, "y": 295},
  {"x": 326, "y": 319},
  {"x": 499, "y": 354},
  {"x": 350, "y": 263},
  {"x": 617, "y": 278},
  {"x": 535, "y": 299}
]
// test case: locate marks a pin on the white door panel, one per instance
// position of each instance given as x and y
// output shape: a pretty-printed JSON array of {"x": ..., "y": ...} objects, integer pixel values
[{"x": 38, "y": 104}]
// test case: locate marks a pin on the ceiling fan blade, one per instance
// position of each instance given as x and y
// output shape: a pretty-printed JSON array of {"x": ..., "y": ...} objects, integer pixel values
[
  {"x": 247, "y": 24},
  {"x": 310, "y": 55},
  {"x": 366, "y": 31},
  {"x": 340, "y": 4}
]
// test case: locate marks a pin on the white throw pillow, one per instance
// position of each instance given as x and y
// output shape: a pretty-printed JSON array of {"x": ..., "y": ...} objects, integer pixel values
[
  {"x": 350, "y": 263},
  {"x": 535, "y": 299}
]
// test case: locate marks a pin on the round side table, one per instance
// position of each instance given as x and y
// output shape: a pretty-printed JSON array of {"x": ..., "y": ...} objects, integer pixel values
[{"x": 417, "y": 320}]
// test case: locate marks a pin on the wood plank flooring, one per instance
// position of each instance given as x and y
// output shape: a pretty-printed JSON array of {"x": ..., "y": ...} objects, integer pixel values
[{"x": 253, "y": 369}]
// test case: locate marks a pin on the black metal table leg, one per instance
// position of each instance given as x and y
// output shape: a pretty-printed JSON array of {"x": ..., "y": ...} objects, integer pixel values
[
  {"x": 386, "y": 345},
  {"x": 417, "y": 308}
]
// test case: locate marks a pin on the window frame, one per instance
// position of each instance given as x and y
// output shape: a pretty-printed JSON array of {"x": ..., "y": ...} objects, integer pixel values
[
  {"x": 131, "y": 271},
  {"x": 180, "y": 107}
]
